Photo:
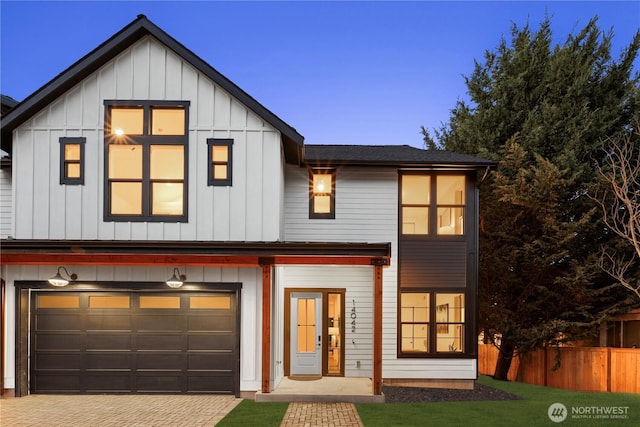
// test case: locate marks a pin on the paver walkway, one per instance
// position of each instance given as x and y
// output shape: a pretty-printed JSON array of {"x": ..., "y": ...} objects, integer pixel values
[
  {"x": 115, "y": 410},
  {"x": 306, "y": 414}
]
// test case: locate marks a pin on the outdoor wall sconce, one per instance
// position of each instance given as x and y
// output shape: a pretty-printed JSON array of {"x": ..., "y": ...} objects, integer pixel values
[
  {"x": 60, "y": 281},
  {"x": 177, "y": 279}
]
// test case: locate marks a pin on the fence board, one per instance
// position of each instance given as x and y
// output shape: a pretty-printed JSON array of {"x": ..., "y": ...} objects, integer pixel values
[{"x": 581, "y": 368}]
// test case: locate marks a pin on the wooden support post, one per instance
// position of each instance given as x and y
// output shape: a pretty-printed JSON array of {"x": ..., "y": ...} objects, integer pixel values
[
  {"x": 266, "y": 328},
  {"x": 377, "y": 330}
]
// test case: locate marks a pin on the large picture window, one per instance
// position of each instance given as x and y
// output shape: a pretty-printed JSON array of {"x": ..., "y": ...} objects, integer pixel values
[
  {"x": 432, "y": 204},
  {"x": 431, "y": 323},
  {"x": 146, "y": 160}
]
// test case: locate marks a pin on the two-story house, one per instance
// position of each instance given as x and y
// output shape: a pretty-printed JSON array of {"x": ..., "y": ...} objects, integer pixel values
[{"x": 169, "y": 234}]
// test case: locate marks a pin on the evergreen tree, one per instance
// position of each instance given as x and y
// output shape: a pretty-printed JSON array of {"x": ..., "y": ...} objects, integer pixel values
[{"x": 543, "y": 111}]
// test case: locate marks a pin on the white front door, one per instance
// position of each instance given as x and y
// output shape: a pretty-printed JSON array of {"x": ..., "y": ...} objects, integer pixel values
[{"x": 306, "y": 333}]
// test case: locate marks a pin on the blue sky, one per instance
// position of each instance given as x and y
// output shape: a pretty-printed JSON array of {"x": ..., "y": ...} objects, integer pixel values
[{"x": 339, "y": 72}]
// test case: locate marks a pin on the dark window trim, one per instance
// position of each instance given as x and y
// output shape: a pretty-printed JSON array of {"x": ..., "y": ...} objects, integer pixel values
[
  {"x": 219, "y": 142},
  {"x": 332, "y": 206},
  {"x": 146, "y": 140},
  {"x": 469, "y": 334},
  {"x": 64, "y": 179}
]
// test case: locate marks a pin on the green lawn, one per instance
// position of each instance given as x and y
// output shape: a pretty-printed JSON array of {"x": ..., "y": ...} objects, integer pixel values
[{"x": 531, "y": 411}]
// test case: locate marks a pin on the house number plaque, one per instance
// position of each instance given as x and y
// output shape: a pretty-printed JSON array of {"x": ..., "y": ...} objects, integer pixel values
[{"x": 353, "y": 317}]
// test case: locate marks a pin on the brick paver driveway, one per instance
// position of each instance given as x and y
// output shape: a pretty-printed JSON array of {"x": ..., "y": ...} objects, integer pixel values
[{"x": 109, "y": 410}]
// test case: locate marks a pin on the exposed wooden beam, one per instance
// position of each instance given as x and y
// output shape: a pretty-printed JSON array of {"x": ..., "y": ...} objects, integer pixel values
[
  {"x": 377, "y": 330},
  {"x": 266, "y": 328}
]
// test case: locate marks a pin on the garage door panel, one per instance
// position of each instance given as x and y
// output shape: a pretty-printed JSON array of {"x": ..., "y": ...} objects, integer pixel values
[
  {"x": 55, "y": 361},
  {"x": 108, "y": 382},
  {"x": 98, "y": 341},
  {"x": 135, "y": 342},
  {"x": 223, "y": 323},
  {"x": 101, "y": 360},
  {"x": 160, "y": 361},
  {"x": 160, "y": 342},
  {"x": 57, "y": 322},
  {"x": 211, "y": 361},
  {"x": 109, "y": 322},
  {"x": 221, "y": 383},
  {"x": 211, "y": 342},
  {"x": 159, "y": 382},
  {"x": 58, "y": 341},
  {"x": 57, "y": 383},
  {"x": 160, "y": 322}
]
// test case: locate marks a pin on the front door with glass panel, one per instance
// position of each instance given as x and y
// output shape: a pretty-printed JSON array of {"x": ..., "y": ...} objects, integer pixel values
[{"x": 306, "y": 333}]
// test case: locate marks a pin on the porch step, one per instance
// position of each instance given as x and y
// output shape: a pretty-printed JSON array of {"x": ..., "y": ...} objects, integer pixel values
[{"x": 326, "y": 389}]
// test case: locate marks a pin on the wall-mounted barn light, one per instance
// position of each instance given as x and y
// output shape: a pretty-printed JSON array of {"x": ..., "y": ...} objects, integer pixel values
[
  {"x": 59, "y": 280},
  {"x": 177, "y": 279}
]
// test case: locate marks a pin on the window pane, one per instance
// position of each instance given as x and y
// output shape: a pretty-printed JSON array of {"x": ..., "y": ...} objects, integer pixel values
[
  {"x": 450, "y": 221},
  {"x": 167, "y": 121},
  {"x": 72, "y": 170},
  {"x": 450, "y": 319},
  {"x": 415, "y": 338},
  {"x": 220, "y": 172},
  {"x": 127, "y": 121},
  {"x": 416, "y": 189},
  {"x": 220, "y": 153},
  {"x": 451, "y": 340},
  {"x": 415, "y": 220},
  {"x": 167, "y": 162},
  {"x": 322, "y": 183},
  {"x": 126, "y": 198},
  {"x": 322, "y": 204},
  {"x": 125, "y": 161},
  {"x": 450, "y": 190},
  {"x": 109, "y": 301},
  {"x": 72, "y": 151},
  {"x": 210, "y": 302},
  {"x": 159, "y": 302},
  {"x": 414, "y": 307},
  {"x": 167, "y": 198},
  {"x": 58, "y": 301}
]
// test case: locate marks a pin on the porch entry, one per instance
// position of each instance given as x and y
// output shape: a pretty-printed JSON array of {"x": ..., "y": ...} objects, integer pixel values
[{"x": 314, "y": 331}]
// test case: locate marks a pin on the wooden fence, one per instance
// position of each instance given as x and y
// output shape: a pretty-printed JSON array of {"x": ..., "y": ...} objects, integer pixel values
[{"x": 581, "y": 368}]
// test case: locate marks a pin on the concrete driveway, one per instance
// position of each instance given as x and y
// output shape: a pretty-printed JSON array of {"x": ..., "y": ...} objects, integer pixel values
[{"x": 119, "y": 410}]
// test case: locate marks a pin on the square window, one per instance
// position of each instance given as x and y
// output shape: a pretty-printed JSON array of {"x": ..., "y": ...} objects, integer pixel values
[{"x": 127, "y": 121}]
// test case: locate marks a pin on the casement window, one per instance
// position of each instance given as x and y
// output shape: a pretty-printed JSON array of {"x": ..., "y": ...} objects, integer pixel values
[
  {"x": 322, "y": 194},
  {"x": 146, "y": 160},
  {"x": 431, "y": 323},
  {"x": 432, "y": 204},
  {"x": 72, "y": 160},
  {"x": 220, "y": 161}
]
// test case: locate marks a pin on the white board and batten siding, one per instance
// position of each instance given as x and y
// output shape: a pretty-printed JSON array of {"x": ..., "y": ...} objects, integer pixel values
[
  {"x": 249, "y": 210},
  {"x": 366, "y": 211},
  {"x": 250, "y": 305},
  {"x": 6, "y": 204}
]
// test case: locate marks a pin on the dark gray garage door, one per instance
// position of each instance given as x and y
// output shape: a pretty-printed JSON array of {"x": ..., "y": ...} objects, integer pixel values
[{"x": 134, "y": 342}]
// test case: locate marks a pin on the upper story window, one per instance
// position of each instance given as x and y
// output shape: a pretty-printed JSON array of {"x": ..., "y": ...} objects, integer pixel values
[
  {"x": 219, "y": 164},
  {"x": 432, "y": 204},
  {"x": 72, "y": 160},
  {"x": 146, "y": 160},
  {"x": 322, "y": 194}
]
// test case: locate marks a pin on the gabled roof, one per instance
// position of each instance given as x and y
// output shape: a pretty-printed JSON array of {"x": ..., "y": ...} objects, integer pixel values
[
  {"x": 389, "y": 155},
  {"x": 108, "y": 50},
  {"x": 7, "y": 103}
]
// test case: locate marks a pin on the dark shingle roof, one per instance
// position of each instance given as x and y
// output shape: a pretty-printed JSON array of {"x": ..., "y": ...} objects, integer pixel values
[{"x": 388, "y": 155}]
